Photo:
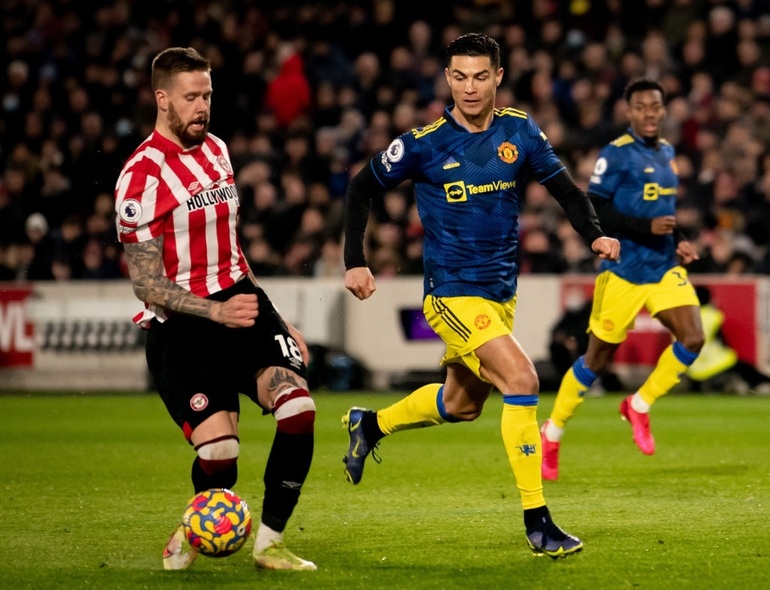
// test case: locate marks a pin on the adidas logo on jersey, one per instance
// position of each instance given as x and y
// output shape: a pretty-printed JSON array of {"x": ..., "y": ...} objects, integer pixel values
[{"x": 451, "y": 163}]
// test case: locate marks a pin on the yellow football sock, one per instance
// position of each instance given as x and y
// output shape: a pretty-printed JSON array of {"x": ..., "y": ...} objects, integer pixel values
[
  {"x": 666, "y": 374},
  {"x": 418, "y": 409},
  {"x": 570, "y": 395},
  {"x": 522, "y": 444}
]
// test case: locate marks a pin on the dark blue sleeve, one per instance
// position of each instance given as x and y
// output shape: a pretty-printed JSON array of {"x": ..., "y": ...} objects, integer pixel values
[
  {"x": 607, "y": 173},
  {"x": 542, "y": 159},
  {"x": 398, "y": 162}
]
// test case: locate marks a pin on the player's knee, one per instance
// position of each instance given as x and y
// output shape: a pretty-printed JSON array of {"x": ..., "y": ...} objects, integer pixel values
[
  {"x": 531, "y": 381},
  {"x": 597, "y": 364},
  {"x": 525, "y": 382},
  {"x": 294, "y": 411},
  {"x": 466, "y": 414},
  {"x": 693, "y": 341},
  {"x": 219, "y": 454},
  {"x": 460, "y": 410}
]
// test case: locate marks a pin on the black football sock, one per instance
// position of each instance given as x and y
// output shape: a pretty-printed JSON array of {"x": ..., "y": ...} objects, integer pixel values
[
  {"x": 285, "y": 472},
  {"x": 220, "y": 478}
]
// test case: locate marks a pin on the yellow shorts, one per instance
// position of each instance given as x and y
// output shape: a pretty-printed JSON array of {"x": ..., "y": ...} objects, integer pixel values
[
  {"x": 465, "y": 323},
  {"x": 617, "y": 302}
]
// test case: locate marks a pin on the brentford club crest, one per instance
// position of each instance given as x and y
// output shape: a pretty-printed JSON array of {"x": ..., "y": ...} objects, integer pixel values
[
  {"x": 224, "y": 164},
  {"x": 199, "y": 402}
]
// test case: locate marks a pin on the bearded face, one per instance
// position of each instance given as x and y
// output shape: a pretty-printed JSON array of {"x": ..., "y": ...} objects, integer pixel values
[
  {"x": 190, "y": 133},
  {"x": 185, "y": 108}
]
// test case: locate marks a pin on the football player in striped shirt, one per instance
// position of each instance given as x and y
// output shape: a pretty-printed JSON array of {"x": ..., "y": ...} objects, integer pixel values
[
  {"x": 634, "y": 190},
  {"x": 468, "y": 168},
  {"x": 212, "y": 331}
]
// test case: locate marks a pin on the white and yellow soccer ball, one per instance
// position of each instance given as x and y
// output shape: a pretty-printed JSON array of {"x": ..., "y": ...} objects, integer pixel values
[{"x": 217, "y": 522}]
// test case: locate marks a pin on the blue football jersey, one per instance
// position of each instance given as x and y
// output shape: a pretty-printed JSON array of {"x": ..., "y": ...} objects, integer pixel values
[
  {"x": 639, "y": 180},
  {"x": 468, "y": 189}
]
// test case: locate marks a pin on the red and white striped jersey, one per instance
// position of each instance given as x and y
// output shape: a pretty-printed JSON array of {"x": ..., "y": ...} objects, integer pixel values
[{"x": 187, "y": 197}]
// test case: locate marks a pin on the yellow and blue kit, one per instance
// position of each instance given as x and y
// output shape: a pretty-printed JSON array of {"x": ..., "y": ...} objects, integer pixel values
[
  {"x": 637, "y": 180},
  {"x": 468, "y": 189}
]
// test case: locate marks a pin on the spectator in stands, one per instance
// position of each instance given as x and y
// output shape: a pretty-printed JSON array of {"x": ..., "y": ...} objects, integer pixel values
[
  {"x": 10, "y": 262},
  {"x": 68, "y": 243},
  {"x": 539, "y": 254},
  {"x": 61, "y": 269},
  {"x": 288, "y": 94},
  {"x": 39, "y": 268},
  {"x": 330, "y": 263},
  {"x": 76, "y": 98},
  {"x": 264, "y": 262}
]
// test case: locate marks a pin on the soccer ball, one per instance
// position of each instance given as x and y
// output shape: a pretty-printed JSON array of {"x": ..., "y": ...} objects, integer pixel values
[{"x": 216, "y": 522}]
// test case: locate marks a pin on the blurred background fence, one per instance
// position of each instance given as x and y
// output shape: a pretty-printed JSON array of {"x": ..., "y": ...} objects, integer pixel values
[{"x": 79, "y": 335}]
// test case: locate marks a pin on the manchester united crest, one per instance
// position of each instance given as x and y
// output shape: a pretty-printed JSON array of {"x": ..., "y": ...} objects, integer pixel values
[{"x": 508, "y": 152}]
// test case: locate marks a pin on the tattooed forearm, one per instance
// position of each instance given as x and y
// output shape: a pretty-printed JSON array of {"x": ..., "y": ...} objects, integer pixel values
[{"x": 145, "y": 265}]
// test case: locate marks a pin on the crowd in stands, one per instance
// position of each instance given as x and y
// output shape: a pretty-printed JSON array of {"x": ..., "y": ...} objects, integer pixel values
[{"x": 305, "y": 92}]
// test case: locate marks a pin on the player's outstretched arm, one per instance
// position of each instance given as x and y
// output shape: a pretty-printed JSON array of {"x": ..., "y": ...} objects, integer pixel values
[
  {"x": 145, "y": 267},
  {"x": 576, "y": 205},
  {"x": 358, "y": 197}
]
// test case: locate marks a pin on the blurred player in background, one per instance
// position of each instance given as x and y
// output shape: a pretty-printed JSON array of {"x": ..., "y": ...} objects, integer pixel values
[
  {"x": 634, "y": 190},
  {"x": 467, "y": 168},
  {"x": 212, "y": 331}
]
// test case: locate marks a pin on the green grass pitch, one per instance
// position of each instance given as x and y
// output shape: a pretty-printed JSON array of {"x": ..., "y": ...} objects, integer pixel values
[{"x": 92, "y": 485}]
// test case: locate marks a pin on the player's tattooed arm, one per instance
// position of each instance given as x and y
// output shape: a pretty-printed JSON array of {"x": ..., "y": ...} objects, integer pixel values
[{"x": 145, "y": 266}]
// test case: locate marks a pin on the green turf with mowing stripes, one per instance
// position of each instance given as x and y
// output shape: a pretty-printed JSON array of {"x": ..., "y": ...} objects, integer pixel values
[{"x": 92, "y": 485}]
